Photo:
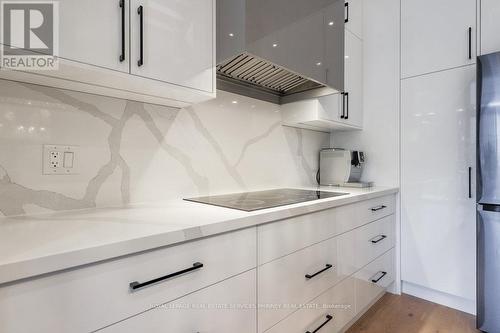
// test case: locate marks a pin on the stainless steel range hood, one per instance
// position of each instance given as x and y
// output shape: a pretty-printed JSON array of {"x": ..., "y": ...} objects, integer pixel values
[{"x": 280, "y": 50}]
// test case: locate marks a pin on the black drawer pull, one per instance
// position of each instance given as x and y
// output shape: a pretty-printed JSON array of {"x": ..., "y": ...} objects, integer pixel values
[
  {"x": 137, "y": 285},
  {"x": 327, "y": 267},
  {"x": 382, "y": 274},
  {"x": 328, "y": 318},
  {"x": 376, "y": 209},
  {"x": 122, "y": 55},
  {"x": 140, "y": 11},
  {"x": 378, "y": 239}
]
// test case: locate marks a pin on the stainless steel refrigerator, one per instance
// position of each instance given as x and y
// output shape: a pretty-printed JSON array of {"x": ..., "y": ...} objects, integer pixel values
[{"x": 488, "y": 193}]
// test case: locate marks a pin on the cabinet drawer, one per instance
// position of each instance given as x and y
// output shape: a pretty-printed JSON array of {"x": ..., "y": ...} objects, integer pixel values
[
  {"x": 370, "y": 281},
  {"x": 102, "y": 291},
  {"x": 337, "y": 302},
  {"x": 226, "y": 307},
  {"x": 281, "y": 238},
  {"x": 364, "y": 244},
  {"x": 295, "y": 279}
]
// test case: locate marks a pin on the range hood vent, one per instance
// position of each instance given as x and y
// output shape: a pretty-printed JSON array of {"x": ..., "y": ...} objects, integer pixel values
[
  {"x": 280, "y": 51},
  {"x": 264, "y": 75}
]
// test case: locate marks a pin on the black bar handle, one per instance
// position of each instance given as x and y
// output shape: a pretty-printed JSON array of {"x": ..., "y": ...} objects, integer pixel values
[
  {"x": 347, "y": 15},
  {"x": 380, "y": 277},
  {"x": 328, "y": 318},
  {"x": 327, "y": 267},
  {"x": 137, "y": 285},
  {"x": 343, "y": 106},
  {"x": 470, "y": 182},
  {"x": 470, "y": 42},
  {"x": 140, "y": 11},
  {"x": 376, "y": 209},
  {"x": 347, "y": 106},
  {"x": 378, "y": 239},
  {"x": 122, "y": 6}
]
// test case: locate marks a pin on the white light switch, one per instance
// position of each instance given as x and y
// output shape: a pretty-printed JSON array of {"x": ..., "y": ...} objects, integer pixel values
[
  {"x": 68, "y": 159},
  {"x": 60, "y": 160}
]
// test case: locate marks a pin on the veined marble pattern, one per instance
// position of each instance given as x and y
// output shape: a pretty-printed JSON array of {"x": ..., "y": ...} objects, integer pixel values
[{"x": 134, "y": 152}]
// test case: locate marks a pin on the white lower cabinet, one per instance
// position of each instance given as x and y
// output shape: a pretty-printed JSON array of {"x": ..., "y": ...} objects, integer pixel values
[
  {"x": 301, "y": 276},
  {"x": 226, "y": 307},
  {"x": 333, "y": 309},
  {"x": 372, "y": 280},
  {"x": 314, "y": 272},
  {"x": 103, "y": 290},
  {"x": 438, "y": 146}
]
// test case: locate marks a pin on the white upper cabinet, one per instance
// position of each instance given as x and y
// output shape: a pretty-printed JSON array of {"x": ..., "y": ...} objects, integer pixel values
[
  {"x": 95, "y": 32},
  {"x": 177, "y": 43},
  {"x": 163, "y": 53},
  {"x": 343, "y": 111},
  {"x": 353, "y": 81},
  {"x": 437, "y": 35},
  {"x": 490, "y": 26},
  {"x": 354, "y": 17},
  {"x": 438, "y": 214}
]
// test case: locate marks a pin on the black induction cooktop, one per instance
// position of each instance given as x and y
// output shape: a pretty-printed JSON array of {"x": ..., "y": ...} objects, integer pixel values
[{"x": 250, "y": 201}]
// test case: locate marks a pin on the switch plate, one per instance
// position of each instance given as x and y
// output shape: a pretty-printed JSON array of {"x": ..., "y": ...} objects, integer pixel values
[{"x": 60, "y": 160}]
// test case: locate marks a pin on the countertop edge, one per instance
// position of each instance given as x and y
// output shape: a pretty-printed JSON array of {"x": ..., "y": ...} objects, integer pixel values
[{"x": 15, "y": 272}]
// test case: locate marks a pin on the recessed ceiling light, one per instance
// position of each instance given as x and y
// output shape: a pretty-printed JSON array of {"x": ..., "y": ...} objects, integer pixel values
[
  {"x": 330, "y": 23},
  {"x": 318, "y": 64},
  {"x": 234, "y": 102},
  {"x": 275, "y": 45},
  {"x": 231, "y": 34}
]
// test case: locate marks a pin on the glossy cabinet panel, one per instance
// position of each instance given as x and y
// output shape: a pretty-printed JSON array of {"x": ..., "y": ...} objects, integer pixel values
[
  {"x": 490, "y": 26},
  {"x": 353, "y": 80},
  {"x": 302, "y": 231},
  {"x": 354, "y": 14},
  {"x": 103, "y": 290},
  {"x": 210, "y": 310},
  {"x": 178, "y": 42},
  {"x": 435, "y": 35},
  {"x": 372, "y": 280},
  {"x": 338, "y": 302},
  {"x": 283, "y": 282},
  {"x": 90, "y": 32},
  {"x": 438, "y": 147}
]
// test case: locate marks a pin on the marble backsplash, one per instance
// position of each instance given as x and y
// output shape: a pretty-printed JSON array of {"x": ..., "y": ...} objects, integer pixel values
[{"x": 132, "y": 152}]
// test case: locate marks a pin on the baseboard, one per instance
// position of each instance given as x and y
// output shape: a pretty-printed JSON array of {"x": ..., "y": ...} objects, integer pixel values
[{"x": 451, "y": 301}]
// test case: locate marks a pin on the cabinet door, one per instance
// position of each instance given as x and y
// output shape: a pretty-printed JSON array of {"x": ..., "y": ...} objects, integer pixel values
[
  {"x": 490, "y": 26},
  {"x": 91, "y": 32},
  {"x": 177, "y": 41},
  {"x": 353, "y": 80},
  {"x": 438, "y": 147},
  {"x": 435, "y": 35},
  {"x": 354, "y": 17},
  {"x": 226, "y": 307}
]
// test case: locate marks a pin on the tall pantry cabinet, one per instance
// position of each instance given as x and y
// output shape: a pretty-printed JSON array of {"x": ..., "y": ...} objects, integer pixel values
[{"x": 438, "y": 149}]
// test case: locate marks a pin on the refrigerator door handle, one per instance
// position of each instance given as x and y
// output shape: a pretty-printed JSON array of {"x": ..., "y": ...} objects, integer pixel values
[{"x": 470, "y": 182}]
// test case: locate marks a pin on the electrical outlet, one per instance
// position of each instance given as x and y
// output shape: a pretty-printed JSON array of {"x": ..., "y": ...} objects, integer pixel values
[{"x": 60, "y": 160}]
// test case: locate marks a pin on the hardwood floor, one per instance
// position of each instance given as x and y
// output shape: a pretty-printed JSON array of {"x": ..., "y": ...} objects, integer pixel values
[{"x": 408, "y": 314}]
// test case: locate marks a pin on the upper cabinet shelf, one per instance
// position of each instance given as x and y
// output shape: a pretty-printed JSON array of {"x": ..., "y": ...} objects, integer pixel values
[{"x": 156, "y": 51}]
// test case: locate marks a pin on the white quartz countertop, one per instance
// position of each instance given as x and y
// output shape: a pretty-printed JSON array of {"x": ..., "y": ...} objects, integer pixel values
[{"x": 35, "y": 245}]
